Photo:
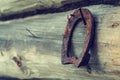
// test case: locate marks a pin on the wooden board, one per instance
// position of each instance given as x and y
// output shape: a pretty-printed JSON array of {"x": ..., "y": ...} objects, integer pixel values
[{"x": 41, "y": 52}]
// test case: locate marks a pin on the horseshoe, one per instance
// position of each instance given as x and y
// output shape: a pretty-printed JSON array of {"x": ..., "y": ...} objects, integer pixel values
[{"x": 87, "y": 18}]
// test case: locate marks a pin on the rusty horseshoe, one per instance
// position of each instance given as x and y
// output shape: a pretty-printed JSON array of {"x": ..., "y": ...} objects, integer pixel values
[{"x": 87, "y": 18}]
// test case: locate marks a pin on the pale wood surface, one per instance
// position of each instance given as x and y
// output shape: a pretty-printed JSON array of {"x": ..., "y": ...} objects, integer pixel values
[{"x": 41, "y": 55}]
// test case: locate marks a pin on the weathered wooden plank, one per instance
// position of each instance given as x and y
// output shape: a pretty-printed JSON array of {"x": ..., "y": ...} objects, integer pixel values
[
  {"x": 41, "y": 55},
  {"x": 11, "y": 7}
]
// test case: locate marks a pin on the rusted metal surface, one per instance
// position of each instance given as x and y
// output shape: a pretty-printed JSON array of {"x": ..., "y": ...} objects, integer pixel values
[{"x": 84, "y": 15}]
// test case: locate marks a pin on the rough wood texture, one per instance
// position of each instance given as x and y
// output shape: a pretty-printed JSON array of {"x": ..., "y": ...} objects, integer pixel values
[
  {"x": 108, "y": 41},
  {"x": 22, "y": 8},
  {"x": 40, "y": 52},
  {"x": 8, "y": 7}
]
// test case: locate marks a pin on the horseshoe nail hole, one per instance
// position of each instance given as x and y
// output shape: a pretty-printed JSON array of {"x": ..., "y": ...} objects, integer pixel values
[{"x": 114, "y": 25}]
